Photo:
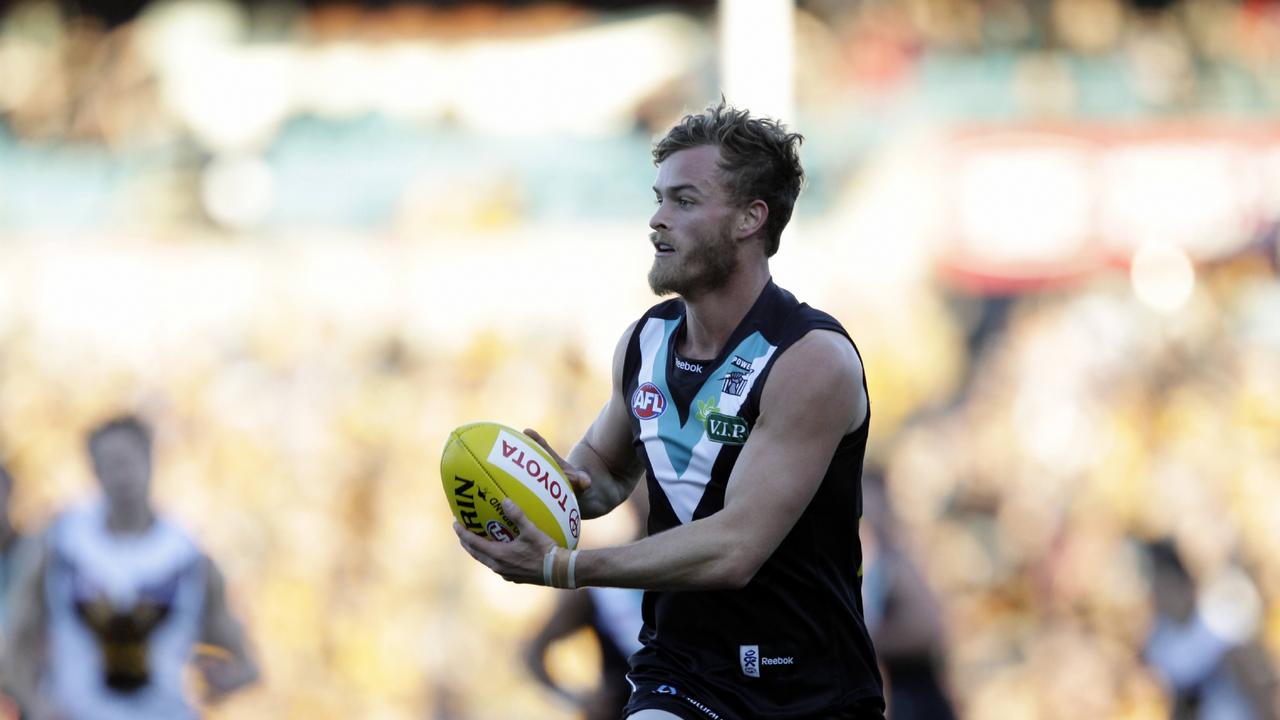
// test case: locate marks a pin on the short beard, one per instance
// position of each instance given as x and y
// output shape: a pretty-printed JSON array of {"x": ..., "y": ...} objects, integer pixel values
[{"x": 706, "y": 267}]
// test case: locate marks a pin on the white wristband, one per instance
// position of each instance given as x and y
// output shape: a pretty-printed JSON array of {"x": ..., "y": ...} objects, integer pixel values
[
  {"x": 573, "y": 561},
  {"x": 547, "y": 561}
]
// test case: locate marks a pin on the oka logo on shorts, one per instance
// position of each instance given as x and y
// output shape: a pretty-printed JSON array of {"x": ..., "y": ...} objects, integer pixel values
[
  {"x": 648, "y": 402},
  {"x": 750, "y": 659}
]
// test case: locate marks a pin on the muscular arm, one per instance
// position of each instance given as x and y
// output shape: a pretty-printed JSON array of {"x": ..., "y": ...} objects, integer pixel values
[
  {"x": 912, "y": 622},
  {"x": 24, "y": 652},
  {"x": 813, "y": 398},
  {"x": 224, "y": 657},
  {"x": 572, "y": 612}
]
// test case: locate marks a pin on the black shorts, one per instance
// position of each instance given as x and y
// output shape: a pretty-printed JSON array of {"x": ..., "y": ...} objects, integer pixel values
[
  {"x": 672, "y": 699},
  {"x": 686, "y": 705}
]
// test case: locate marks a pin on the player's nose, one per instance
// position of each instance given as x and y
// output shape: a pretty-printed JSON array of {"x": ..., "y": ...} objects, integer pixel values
[{"x": 658, "y": 221}]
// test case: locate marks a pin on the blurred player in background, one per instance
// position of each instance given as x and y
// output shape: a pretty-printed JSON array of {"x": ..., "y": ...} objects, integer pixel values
[
  {"x": 612, "y": 616},
  {"x": 14, "y": 551},
  {"x": 748, "y": 414},
  {"x": 12, "y": 544},
  {"x": 902, "y": 614},
  {"x": 118, "y": 601},
  {"x": 1204, "y": 645}
]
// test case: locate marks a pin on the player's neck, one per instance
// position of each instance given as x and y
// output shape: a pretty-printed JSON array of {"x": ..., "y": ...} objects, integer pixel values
[{"x": 712, "y": 317}]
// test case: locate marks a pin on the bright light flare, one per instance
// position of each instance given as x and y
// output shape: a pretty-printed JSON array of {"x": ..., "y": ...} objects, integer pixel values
[{"x": 1162, "y": 276}]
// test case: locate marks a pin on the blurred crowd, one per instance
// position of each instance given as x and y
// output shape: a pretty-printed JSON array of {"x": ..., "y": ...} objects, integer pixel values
[
  {"x": 1085, "y": 428},
  {"x": 1089, "y": 431},
  {"x": 241, "y": 118},
  {"x": 1064, "y": 57},
  {"x": 305, "y": 461}
]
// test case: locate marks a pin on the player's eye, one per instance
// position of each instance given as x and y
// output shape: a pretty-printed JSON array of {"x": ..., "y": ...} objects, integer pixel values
[{"x": 685, "y": 203}]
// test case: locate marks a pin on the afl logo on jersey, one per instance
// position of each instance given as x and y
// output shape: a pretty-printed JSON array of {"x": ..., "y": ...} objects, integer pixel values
[{"x": 648, "y": 402}]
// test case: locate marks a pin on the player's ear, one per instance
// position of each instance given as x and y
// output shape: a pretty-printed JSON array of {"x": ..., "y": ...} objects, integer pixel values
[{"x": 751, "y": 219}]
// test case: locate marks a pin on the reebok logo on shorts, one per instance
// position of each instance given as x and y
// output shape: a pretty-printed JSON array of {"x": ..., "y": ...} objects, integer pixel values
[{"x": 751, "y": 661}]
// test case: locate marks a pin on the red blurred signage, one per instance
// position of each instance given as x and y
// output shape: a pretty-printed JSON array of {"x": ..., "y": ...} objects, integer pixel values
[{"x": 1026, "y": 207}]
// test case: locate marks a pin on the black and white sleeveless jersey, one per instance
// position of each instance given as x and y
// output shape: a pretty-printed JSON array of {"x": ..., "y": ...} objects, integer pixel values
[{"x": 792, "y": 643}]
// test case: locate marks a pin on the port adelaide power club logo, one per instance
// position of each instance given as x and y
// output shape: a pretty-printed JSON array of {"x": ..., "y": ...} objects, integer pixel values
[{"x": 735, "y": 381}]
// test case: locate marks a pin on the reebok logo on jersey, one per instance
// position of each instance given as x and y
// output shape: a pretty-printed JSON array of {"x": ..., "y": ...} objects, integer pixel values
[{"x": 688, "y": 366}]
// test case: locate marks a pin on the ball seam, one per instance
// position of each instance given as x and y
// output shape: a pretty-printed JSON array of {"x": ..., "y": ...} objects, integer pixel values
[{"x": 480, "y": 465}]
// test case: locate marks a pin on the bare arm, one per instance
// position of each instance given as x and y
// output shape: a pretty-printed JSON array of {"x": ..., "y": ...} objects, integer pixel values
[
  {"x": 603, "y": 467},
  {"x": 223, "y": 657},
  {"x": 1254, "y": 673},
  {"x": 572, "y": 611},
  {"x": 912, "y": 622},
  {"x": 813, "y": 398},
  {"x": 24, "y": 652}
]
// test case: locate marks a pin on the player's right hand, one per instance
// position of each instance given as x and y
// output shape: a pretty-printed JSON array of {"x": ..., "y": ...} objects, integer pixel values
[
  {"x": 518, "y": 561},
  {"x": 576, "y": 476}
]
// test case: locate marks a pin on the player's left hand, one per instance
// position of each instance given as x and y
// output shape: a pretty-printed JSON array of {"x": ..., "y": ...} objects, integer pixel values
[
  {"x": 518, "y": 561},
  {"x": 578, "y": 478}
]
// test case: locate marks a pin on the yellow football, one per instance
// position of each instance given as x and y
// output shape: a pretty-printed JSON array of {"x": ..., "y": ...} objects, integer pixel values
[{"x": 484, "y": 462}]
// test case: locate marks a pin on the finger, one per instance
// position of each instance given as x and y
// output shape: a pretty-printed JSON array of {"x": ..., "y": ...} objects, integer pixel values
[
  {"x": 464, "y": 535},
  {"x": 480, "y": 555},
  {"x": 471, "y": 542},
  {"x": 471, "y": 551},
  {"x": 537, "y": 437},
  {"x": 518, "y": 517},
  {"x": 579, "y": 479}
]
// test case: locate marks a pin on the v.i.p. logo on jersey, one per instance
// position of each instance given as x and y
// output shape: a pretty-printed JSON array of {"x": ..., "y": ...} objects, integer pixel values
[{"x": 648, "y": 402}]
